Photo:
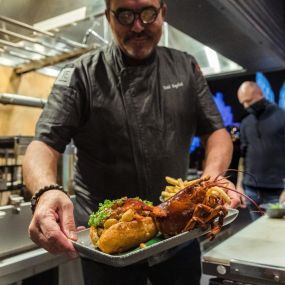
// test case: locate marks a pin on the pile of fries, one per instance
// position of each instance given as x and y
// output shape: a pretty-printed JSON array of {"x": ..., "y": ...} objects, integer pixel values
[
  {"x": 178, "y": 184},
  {"x": 175, "y": 186}
]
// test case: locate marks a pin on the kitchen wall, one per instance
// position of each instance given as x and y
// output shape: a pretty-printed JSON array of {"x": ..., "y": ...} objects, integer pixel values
[
  {"x": 8, "y": 84},
  {"x": 20, "y": 120}
]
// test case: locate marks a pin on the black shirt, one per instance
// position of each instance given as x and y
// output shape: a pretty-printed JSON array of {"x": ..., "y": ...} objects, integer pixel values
[{"x": 132, "y": 126}]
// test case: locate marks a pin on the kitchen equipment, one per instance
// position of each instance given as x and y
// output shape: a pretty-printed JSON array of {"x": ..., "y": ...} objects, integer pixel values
[
  {"x": 12, "y": 149},
  {"x": 20, "y": 258},
  {"x": 14, "y": 221},
  {"x": 254, "y": 255}
]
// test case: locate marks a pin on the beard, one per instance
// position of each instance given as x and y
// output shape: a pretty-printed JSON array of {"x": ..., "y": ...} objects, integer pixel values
[{"x": 139, "y": 45}]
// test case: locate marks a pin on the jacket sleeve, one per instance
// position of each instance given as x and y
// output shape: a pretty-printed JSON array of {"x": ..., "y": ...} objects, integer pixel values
[
  {"x": 209, "y": 118},
  {"x": 63, "y": 113}
]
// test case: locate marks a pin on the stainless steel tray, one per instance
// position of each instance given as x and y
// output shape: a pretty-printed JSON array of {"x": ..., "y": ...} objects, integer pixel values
[{"x": 153, "y": 251}]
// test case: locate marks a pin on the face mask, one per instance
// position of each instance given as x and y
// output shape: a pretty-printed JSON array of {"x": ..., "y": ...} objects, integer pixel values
[{"x": 257, "y": 108}]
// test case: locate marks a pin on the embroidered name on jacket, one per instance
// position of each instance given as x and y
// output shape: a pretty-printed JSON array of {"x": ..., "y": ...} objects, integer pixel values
[
  {"x": 64, "y": 77},
  {"x": 173, "y": 86}
]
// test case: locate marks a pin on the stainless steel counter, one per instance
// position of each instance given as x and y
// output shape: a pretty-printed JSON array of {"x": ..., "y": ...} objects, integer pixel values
[
  {"x": 18, "y": 267},
  {"x": 255, "y": 255},
  {"x": 21, "y": 258},
  {"x": 14, "y": 222},
  {"x": 27, "y": 264}
]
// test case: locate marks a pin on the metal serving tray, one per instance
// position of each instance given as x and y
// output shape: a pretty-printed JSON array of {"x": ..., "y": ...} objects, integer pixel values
[{"x": 154, "y": 250}]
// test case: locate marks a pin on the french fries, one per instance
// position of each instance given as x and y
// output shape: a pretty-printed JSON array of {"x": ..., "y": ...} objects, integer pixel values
[
  {"x": 219, "y": 192},
  {"x": 175, "y": 186},
  {"x": 179, "y": 184}
]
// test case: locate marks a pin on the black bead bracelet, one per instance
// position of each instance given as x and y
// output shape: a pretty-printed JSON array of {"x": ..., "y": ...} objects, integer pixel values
[{"x": 41, "y": 191}]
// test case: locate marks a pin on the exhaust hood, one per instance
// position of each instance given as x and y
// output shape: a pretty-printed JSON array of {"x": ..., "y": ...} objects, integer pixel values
[{"x": 47, "y": 34}]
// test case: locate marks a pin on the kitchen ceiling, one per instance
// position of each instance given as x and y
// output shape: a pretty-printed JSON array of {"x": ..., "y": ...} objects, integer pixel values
[
  {"x": 249, "y": 32},
  {"x": 242, "y": 32}
]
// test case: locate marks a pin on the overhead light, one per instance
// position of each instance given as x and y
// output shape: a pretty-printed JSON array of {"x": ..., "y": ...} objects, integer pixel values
[{"x": 213, "y": 59}]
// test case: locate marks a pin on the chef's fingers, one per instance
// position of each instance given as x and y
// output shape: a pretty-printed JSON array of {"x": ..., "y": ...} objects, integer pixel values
[
  {"x": 232, "y": 193},
  {"x": 46, "y": 226},
  {"x": 51, "y": 238},
  {"x": 38, "y": 238},
  {"x": 66, "y": 220},
  {"x": 235, "y": 203},
  {"x": 80, "y": 228},
  {"x": 243, "y": 202},
  {"x": 56, "y": 240},
  {"x": 235, "y": 199}
]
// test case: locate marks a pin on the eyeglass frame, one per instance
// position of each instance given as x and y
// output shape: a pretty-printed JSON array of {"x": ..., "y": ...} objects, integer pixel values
[{"x": 137, "y": 14}]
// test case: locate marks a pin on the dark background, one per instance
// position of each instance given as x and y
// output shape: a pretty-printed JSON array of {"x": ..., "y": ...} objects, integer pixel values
[{"x": 229, "y": 86}]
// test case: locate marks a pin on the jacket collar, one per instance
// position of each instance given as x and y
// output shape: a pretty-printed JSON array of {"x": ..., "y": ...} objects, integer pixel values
[{"x": 116, "y": 58}]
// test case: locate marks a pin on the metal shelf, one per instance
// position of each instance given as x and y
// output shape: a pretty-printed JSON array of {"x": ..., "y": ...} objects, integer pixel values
[{"x": 37, "y": 49}]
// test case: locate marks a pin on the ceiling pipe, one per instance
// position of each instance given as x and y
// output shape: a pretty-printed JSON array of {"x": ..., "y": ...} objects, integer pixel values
[
  {"x": 25, "y": 48},
  {"x": 94, "y": 34},
  {"x": 31, "y": 40},
  {"x": 14, "y": 99},
  {"x": 49, "y": 34}
]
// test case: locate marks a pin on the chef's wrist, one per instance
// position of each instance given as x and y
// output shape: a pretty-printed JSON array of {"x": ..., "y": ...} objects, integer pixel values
[{"x": 41, "y": 191}]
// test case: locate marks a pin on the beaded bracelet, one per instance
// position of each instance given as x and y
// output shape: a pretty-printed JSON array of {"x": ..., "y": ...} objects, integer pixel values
[{"x": 37, "y": 195}]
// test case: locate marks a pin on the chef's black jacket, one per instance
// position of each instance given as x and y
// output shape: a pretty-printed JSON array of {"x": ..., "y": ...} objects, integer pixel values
[{"x": 131, "y": 125}]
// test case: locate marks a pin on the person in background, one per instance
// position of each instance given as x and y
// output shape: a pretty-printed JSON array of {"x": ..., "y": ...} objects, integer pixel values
[
  {"x": 131, "y": 109},
  {"x": 262, "y": 135}
]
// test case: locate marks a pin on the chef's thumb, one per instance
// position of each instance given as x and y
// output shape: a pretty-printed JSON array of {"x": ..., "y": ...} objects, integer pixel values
[{"x": 67, "y": 223}]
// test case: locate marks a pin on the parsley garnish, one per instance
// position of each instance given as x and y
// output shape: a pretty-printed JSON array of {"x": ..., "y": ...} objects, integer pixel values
[{"x": 105, "y": 210}]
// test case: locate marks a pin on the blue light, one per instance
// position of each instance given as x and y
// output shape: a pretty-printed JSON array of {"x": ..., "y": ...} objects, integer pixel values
[
  {"x": 281, "y": 102},
  {"x": 196, "y": 142},
  {"x": 265, "y": 86},
  {"x": 226, "y": 113},
  {"x": 225, "y": 110}
]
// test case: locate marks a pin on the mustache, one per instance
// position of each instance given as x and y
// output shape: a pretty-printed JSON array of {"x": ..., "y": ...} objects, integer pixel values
[{"x": 134, "y": 35}]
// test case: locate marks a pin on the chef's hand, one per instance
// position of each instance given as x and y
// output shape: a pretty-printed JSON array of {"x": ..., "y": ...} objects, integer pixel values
[
  {"x": 52, "y": 226},
  {"x": 242, "y": 197},
  {"x": 237, "y": 200}
]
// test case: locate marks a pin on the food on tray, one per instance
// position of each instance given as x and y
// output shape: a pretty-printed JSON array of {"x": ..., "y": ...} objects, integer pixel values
[
  {"x": 122, "y": 224},
  {"x": 126, "y": 223},
  {"x": 199, "y": 204},
  {"x": 175, "y": 186}
]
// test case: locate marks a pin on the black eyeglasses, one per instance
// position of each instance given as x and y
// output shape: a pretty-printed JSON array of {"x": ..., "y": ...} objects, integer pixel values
[{"x": 127, "y": 17}]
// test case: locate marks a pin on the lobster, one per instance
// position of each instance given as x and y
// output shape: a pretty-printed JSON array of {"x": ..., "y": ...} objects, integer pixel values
[{"x": 198, "y": 205}]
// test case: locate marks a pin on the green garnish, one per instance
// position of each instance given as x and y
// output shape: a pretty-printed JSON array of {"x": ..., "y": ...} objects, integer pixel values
[{"x": 105, "y": 210}]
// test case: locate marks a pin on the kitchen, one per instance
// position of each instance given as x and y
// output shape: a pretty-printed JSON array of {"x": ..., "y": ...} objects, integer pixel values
[{"x": 35, "y": 45}]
